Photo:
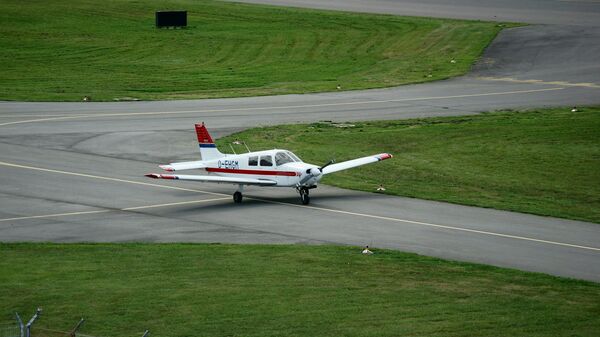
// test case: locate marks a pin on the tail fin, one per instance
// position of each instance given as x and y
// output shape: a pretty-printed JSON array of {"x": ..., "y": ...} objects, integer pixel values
[{"x": 208, "y": 149}]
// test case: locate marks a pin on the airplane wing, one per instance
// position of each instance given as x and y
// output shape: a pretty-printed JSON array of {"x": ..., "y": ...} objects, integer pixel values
[
  {"x": 355, "y": 162},
  {"x": 186, "y": 165},
  {"x": 214, "y": 179}
]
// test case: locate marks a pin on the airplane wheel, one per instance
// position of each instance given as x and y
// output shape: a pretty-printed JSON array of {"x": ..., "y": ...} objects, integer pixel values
[
  {"x": 304, "y": 197},
  {"x": 237, "y": 197}
]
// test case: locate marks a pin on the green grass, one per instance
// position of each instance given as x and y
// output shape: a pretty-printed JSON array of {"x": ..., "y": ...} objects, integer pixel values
[
  {"x": 65, "y": 49},
  {"x": 235, "y": 290},
  {"x": 544, "y": 161}
]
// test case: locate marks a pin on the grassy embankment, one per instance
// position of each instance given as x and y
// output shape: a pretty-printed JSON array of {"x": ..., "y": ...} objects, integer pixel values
[
  {"x": 63, "y": 50},
  {"x": 229, "y": 290},
  {"x": 544, "y": 161}
]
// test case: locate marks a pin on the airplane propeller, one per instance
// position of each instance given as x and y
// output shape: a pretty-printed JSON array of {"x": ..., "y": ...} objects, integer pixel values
[{"x": 314, "y": 172}]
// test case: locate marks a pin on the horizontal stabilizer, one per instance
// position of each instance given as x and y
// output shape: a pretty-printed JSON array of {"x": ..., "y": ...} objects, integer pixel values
[
  {"x": 186, "y": 165},
  {"x": 355, "y": 162},
  {"x": 214, "y": 179}
]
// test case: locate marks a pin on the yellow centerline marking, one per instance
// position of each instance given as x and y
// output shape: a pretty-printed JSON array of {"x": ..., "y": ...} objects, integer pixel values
[
  {"x": 561, "y": 83},
  {"x": 105, "y": 178},
  {"x": 278, "y": 203},
  {"x": 39, "y": 116},
  {"x": 55, "y": 215},
  {"x": 175, "y": 204},
  {"x": 122, "y": 114},
  {"x": 112, "y": 210}
]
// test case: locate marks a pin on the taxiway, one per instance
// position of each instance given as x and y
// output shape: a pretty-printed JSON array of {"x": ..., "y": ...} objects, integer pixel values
[{"x": 72, "y": 172}]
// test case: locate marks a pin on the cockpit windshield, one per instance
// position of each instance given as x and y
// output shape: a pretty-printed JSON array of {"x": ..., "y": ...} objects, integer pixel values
[
  {"x": 283, "y": 158},
  {"x": 296, "y": 159}
]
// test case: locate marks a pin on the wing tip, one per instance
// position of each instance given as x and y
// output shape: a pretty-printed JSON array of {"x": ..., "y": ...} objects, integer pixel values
[
  {"x": 167, "y": 168},
  {"x": 384, "y": 156},
  {"x": 160, "y": 176}
]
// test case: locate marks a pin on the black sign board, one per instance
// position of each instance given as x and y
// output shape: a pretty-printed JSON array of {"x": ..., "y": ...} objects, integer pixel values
[{"x": 171, "y": 19}]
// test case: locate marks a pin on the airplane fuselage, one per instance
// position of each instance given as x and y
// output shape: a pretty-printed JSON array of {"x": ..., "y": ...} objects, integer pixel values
[{"x": 281, "y": 166}]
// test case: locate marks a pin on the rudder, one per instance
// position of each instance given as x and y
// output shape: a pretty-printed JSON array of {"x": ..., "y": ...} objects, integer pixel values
[{"x": 208, "y": 149}]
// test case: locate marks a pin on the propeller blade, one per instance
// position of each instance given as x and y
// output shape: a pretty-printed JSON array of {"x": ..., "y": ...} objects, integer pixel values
[{"x": 324, "y": 166}]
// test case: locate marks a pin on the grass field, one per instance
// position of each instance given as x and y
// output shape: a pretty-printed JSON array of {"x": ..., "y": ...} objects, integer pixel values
[
  {"x": 65, "y": 49},
  {"x": 543, "y": 161},
  {"x": 230, "y": 290}
]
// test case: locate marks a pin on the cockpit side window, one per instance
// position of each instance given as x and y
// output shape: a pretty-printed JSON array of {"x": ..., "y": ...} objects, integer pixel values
[
  {"x": 253, "y": 161},
  {"x": 282, "y": 158},
  {"x": 266, "y": 161}
]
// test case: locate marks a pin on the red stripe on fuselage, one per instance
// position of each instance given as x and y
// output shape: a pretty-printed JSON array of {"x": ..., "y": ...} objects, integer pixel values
[{"x": 255, "y": 172}]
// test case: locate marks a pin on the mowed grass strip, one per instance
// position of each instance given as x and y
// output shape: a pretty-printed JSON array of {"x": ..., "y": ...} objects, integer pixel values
[
  {"x": 250, "y": 290},
  {"x": 65, "y": 49},
  {"x": 544, "y": 161}
]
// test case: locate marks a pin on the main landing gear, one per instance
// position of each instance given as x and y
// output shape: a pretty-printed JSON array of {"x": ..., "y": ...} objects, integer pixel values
[{"x": 237, "y": 196}]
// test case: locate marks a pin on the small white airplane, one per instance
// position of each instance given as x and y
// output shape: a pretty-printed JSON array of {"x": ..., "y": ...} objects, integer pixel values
[{"x": 276, "y": 167}]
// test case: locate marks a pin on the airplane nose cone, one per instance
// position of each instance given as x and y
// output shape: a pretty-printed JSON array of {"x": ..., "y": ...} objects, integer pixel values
[{"x": 314, "y": 171}]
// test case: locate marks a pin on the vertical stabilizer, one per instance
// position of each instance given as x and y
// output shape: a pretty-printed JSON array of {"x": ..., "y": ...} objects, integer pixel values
[{"x": 208, "y": 149}]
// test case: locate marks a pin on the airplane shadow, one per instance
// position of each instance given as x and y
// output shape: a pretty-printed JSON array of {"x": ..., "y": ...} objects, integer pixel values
[{"x": 254, "y": 201}]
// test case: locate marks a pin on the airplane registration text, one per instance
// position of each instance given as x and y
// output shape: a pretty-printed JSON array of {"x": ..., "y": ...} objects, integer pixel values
[{"x": 229, "y": 164}]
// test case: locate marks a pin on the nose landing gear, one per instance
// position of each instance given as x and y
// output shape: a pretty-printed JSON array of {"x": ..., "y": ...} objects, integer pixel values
[{"x": 304, "y": 197}]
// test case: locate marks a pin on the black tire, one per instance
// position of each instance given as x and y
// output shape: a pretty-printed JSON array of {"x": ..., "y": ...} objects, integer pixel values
[{"x": 237, "y": 197}]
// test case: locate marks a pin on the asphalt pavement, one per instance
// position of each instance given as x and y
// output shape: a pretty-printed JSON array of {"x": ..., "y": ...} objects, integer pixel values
[
  {"x": 555, "y": 12},
  {"x": 72, "y": 172}
]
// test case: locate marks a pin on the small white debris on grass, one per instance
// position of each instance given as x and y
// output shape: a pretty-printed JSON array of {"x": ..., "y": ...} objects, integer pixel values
[
  {"x": 366, "y": 251},
  {"x": 452, "y": 61},
  {"x": 574, "y": 109},
  {"x": 380, "y": 188}
]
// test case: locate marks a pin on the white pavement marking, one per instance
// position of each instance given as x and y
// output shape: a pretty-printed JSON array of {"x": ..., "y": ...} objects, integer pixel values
[
  {"x": 441, "y": 226},
  {"x": 122, "y": 114},
  {"x": 111, "y": 210},
  {"x": 281, "y": 203}
]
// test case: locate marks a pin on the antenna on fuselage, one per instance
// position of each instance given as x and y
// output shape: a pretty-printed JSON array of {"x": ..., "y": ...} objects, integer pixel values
[
  {"x": 237, "y": 142},
  {"x": 231, "y": 146}
]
